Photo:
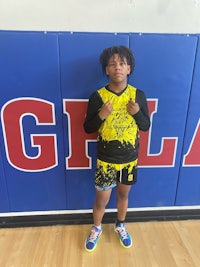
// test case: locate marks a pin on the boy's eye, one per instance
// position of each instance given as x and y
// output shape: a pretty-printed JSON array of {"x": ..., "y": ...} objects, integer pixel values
[{"x": 114, "y": 64}]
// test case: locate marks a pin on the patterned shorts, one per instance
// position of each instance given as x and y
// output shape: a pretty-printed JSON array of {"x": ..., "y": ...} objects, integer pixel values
[{"x": 109, "y": 174}]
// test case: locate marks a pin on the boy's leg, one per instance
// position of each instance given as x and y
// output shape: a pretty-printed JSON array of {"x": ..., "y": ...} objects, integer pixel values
[
  {"x": 122, "y": 200},
  {"x": 122, "y": 205},
  {"x": 102, "y": 198}
]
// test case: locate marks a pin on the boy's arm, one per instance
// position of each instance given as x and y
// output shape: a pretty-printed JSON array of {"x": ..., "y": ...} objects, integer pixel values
[
  {"x": 92, "y": 120},
  {"x": 142, "y": 116}
]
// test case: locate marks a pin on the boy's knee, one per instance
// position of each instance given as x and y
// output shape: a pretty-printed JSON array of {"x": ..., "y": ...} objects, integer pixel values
[
  {"x": 101, "y": 204},
  {"x": 122, "y": 195}
]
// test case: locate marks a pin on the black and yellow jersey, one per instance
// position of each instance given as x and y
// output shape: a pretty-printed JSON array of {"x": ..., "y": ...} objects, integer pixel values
[{"x": 118, "y": 135}]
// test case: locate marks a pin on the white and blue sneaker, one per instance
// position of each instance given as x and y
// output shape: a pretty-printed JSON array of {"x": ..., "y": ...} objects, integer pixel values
[
  {"x": 92, "y": 239},
  {"x": 124, "y": 237}
]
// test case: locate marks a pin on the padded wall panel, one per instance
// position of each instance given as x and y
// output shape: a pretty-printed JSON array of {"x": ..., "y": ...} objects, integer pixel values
[
  {"x": 81, "y": 75},
  {"x": 164, "y": 69},
  {"x": 188, "y": 191},
  {"x": 31, "y": 110}
]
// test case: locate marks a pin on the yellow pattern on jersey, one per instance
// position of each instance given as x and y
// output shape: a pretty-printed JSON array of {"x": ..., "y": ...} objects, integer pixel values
[{"x": 119, "y": 125}]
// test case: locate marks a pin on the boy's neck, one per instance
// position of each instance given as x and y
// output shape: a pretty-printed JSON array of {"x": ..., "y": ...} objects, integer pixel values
[{"x": 117, "y": 88}]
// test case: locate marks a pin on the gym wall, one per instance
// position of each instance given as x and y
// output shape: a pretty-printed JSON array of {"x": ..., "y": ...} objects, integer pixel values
[{"x": 47, "y": 161}]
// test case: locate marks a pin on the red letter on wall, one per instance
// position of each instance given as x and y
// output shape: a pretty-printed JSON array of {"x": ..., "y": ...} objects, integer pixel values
[
  {"x": 12, "y": 116},
  {"x": 78, "y": 139},
  {"x": 192, "y": 157},
  {"x": 166, "y": 156}
]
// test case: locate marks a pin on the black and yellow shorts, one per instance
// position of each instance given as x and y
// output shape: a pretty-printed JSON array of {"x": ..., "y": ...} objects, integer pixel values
[{"x": 109, "y": 174}]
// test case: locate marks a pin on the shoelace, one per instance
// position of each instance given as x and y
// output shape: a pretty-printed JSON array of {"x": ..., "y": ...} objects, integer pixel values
[
  {"x": 122, "y": 232},
  {"x": 93, "y": 236}
]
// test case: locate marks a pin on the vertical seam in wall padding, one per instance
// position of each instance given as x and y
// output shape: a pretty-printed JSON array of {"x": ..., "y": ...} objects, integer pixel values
[
  {"x": 6, "y": 185},
  {"x": 60, "y": 85}
]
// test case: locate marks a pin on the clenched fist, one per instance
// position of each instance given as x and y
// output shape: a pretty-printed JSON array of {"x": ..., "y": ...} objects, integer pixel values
[
  {"x": 132, "y": 107},
  {"x": 105, "y": 110}
]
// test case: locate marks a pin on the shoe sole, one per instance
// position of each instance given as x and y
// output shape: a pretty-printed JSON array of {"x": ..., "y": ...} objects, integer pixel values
[{"x": 124, "y": 245}]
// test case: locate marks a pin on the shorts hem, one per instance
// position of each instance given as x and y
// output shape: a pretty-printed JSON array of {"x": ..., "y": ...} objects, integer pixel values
[{"x": 105, "y": 188}]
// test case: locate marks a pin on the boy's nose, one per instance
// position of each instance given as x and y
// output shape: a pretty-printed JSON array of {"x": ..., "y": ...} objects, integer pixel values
[{"x": 117, "y": 65}]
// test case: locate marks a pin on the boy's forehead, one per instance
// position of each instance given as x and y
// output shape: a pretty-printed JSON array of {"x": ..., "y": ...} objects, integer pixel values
[{"x": 117, "y": 57}]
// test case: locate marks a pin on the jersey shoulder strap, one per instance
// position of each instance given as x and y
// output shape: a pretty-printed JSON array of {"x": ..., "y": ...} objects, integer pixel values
[{"x": 131, "y": 91}]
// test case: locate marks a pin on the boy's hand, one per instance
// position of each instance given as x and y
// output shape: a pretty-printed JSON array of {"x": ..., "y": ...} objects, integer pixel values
[
  {"x": 132, "y": 107},
  {"x": 105, "y": 110}
]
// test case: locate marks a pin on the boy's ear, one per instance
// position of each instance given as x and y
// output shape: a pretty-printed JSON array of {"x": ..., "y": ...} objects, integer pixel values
[{"x": 107, "y": 72}]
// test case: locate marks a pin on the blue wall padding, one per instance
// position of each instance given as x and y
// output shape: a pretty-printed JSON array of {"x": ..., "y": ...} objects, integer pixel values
[
  {"x": 164, "y": 70},
  {"x": 188, "y": 192},
  {"x": 30, "y": 68},
  {"x": 81, "y": 74},
  {"x": 46, "y": 80}
]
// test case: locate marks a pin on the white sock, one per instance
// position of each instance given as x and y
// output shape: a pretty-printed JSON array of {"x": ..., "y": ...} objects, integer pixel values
[{"x": 98, "y": 227}]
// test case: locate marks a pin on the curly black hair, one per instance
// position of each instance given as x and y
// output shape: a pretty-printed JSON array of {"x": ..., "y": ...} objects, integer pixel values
[{"x": 123, "y": 52}]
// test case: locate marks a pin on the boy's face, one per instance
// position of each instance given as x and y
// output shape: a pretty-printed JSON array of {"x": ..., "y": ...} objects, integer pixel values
[{"x": 117, "y": 69}]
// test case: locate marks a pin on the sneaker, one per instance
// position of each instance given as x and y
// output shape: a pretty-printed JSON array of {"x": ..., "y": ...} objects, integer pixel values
[
  {"x": 91, "y": 241},
  {"x": 124, "y": 237}
]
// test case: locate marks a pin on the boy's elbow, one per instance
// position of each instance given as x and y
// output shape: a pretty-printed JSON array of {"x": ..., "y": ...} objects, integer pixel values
[
  {"x": 87, "y": 129},
  {"x": 145, "y": 127}
]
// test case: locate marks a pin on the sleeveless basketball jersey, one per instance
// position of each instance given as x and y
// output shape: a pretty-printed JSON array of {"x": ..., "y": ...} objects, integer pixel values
[{"x": 119, "y": 125}]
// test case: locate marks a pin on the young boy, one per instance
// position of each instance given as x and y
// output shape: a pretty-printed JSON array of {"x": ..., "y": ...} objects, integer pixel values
[{"x": 117, "y": 112}]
